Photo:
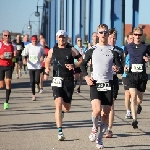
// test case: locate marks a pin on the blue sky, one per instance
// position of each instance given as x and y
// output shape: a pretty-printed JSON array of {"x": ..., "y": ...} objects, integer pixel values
[{"x": 14, "y": 14}]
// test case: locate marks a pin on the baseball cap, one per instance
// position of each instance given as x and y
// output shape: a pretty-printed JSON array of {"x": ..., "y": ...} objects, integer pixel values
[{"x": 61, "y": 32}]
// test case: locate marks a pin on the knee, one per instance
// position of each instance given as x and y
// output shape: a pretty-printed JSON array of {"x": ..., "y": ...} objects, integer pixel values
[
  {"x": 1, "y": 85},
  {"x": 58, "y": 103},
  {"x": 96, "y": 112}
]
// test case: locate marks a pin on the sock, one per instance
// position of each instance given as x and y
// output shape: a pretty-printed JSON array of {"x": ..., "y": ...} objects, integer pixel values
[
  {"x": 109, "y": 129},
  {"x": 103, "y": 128},
  {"x": 7, "y": 95},
  {"x": 60, "y": 129},
  {"x": 9, "y": 92},
  {"x": 95, "y": 121}
]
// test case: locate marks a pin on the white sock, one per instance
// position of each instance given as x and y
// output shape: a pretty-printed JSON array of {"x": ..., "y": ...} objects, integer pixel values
[{"x": 95, "y": 121}]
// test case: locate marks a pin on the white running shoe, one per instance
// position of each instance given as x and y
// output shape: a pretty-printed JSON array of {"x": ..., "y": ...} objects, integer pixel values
[
  {"x": 41, "y": 91},
  {"x": 61, "y": 136},
  {"x": 99, "y": 144},
  {"x": 93, "y": 135}
]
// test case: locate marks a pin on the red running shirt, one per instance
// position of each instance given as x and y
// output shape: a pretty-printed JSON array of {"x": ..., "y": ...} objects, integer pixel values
[{"x": 8, "y": 51}]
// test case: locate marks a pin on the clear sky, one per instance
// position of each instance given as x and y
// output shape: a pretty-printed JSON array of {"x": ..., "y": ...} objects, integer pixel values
[{"x": 14, "y": 14}]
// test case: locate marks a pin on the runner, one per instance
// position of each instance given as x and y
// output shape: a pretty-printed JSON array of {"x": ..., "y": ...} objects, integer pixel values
[
  {"x": 136, "y": 77},
  {"x": 20, "y": 46},
  {"x": 26, "y": 42},
  {"x": 35, "y": 54},
  {"x": 77, "y": 71},
  {"x": 43, "y": 43},
  {"x": 6, "y": 54},
  {"x": 112, "y": 42},
  {"x": 63, "y": 80},
  {"x": 100, "y": 82},
  {"x": 127, "y": 93}
]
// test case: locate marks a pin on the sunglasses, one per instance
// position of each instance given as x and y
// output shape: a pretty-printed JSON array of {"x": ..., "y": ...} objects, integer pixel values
[
  {"x": 34, "y": 41},
  {"x": 103, "y": 32},
  {"x": 7, "y": 35},
  {"x": 79, "y": 40},
  {"x": 138, "y": 34}
]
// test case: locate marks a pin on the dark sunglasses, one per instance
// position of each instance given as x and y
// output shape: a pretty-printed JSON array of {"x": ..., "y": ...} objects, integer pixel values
[
  {"x": 79, "y": 40},
  {"x": 7, "y": 35},
  {"x": 103, "y": 32},
  {"x": 138, "y": 34}
]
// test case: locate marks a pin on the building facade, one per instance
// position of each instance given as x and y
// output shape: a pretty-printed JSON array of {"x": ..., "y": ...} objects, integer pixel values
[{"x": 81, "y": 18}]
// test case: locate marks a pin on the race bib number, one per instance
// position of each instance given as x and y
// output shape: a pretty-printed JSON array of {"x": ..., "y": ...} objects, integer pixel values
[
  {"x": 105, "y": 86},
  {"x": 7, "y": 55},
  {"x": 19, "y": 47},
  {"x": 137, "y": 68},
  {"x": 57, "y": 81},
  {"x": 33, "y": 59}
]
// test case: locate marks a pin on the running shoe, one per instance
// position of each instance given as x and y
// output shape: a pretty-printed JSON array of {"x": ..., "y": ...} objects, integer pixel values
[
  {"x": 93, "y": 135},
  {"x": 135, "y": 124},
  {"x": 6, "y": 105},
  {"x": 128, "y": 115},
  {"x": 41, "y": 91},
  {"x": 109, "y": 134},
  {"x": 99, "y": 144},
  {"x": 139, "y": 109},
  {"x": 61, "y": 136},
  {"x": 78, "y": 90}
]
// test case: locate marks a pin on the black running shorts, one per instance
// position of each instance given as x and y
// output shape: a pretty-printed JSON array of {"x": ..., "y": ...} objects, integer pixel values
[
  {"x": 5, "y": 70},
  {"x": 124, "y": 80},
  {"x": 106, "y": 97},
  {"x": 66, "y": 91},
  {"x": 137, "y": 80}
]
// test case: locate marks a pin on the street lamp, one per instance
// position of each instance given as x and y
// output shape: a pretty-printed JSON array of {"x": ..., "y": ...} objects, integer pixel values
[{"x": 37, "y": 14}]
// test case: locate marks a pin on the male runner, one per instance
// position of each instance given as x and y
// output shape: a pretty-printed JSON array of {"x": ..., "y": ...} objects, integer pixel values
[
  {"x": 104, "y": 61},
  {"x": 136, "y": 77},
  {"x": 63, "y": 56},
  {"x": 6, "y": 54}
]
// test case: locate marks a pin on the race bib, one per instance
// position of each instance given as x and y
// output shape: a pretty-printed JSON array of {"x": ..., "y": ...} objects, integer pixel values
[
  {"x": 33, "y": 59},
  {"x": 57, "y": 81},
  {"x": 137, "y": 68},
  {"x": 105, "y": 86},
  {"x": 7, "y": 55},
  {"x": 18, "y": 47}
]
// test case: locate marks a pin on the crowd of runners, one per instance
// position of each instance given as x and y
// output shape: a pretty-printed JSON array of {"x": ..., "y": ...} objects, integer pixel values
[{"x": 69, "y": 65}]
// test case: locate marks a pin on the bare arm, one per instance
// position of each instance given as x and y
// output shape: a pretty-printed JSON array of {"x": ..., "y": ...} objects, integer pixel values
[
  {"x": 48, "y": 61},
  {"x": 78, "y": 56}
]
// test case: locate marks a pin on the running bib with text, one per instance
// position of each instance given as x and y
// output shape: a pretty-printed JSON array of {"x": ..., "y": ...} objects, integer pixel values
[
  {"x": 137, "y": 68},
  {"x": 7, "y": 55},
  {"x": 33, "y": 59},
  {"x": 105, "y": 86},
  {"x": 19, "y": 47},
  {"x": 57, "y": 81}
]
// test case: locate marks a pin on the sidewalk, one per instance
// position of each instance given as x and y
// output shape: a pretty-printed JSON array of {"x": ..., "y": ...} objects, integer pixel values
[{"x": 29, "y": 125}]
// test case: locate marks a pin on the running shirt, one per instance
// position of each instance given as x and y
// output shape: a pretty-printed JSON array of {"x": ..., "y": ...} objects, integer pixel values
[
  {"x": 34, "y": 54},
  {"x": 102, "y": 61},
  {"x": 81, "y": 51},
  {"x": 19, "y": 47},
  {"x": 126, "y": 62},
  {"x": 136, "y": 53},
  {"x": 7, "y": 50},
  {"x": 26, "y": 43}
]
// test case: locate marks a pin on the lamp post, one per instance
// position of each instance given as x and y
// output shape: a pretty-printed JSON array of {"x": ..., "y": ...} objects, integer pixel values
[
  {"x": 37, "y": 14},
  {"x": 23, "y": 28}
]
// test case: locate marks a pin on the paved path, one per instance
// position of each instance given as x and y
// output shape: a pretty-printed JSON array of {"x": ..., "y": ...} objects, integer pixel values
[{"x": 29, "y": 125}]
